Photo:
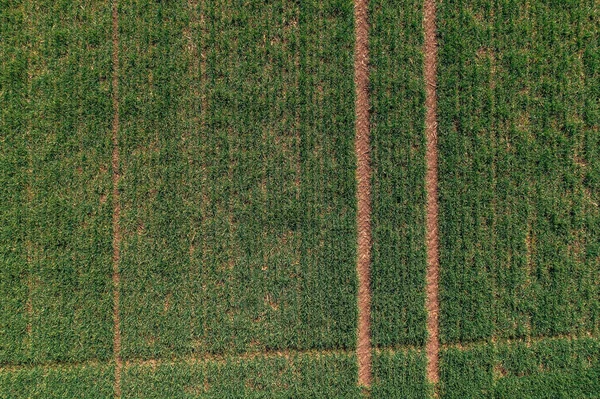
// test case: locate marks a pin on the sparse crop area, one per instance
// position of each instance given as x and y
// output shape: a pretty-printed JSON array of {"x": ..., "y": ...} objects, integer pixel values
[{"x": 188, "y": 210}]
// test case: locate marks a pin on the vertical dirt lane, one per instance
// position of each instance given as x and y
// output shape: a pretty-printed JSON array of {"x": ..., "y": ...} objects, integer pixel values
[
  {"x": 116, "y": 203},
  {"x": 363, "y": 177},
  {"x": 431, "y": 186}
]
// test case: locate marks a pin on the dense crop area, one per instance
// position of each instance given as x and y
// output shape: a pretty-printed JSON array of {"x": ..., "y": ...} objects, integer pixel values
[
  {"x": 233, "y": 232},
  {"x": 519, "y": 169},
  {"x": 238, "y": 219},
  {"x": 397, "y": 96},
  {"x": 550, "y": 368},
  {"x": 55, "y": 232}
]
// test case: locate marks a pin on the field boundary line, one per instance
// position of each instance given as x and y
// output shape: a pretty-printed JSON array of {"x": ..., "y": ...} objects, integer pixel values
[
  {"x": 363, "y": 177},
  {"x": 116, "y": 219},
  {"x": 431, "y": 185},
  {"x": 290, "y": 353}
]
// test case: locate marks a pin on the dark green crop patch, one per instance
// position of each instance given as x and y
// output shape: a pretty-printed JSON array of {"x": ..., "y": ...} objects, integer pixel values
[
  {"x": 552, "y": 368},
  {"x": 237, "y": 198},
  {"x": 398, "y": 145},
  {"x": 400, "y": 375},
  {"x": 56, "y": 235},
  {"x": 237, "y": 188},
  {"x": 519, "y": 142}
]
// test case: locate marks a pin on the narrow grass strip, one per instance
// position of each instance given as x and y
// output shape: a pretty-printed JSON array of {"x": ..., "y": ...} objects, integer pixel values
[
  {"x": 116, "y": 203},
  {"x": 431, "y": 184},
  {"x": 363, "y": 177}
]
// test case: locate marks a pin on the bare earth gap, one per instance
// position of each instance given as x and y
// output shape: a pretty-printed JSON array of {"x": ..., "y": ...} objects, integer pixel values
[
  {"x": 116, "y": 203},
  {"x": 363, "y": 177},
  {"x": 207, "y": 358},
  {"x": 431, "y": 184}
]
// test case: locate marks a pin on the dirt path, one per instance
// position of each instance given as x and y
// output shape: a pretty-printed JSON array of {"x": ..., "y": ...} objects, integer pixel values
[
  {"x": 363, "y": 177},
  {"x": 431, "y": 184},
  {"x": 116, "y": 204}
]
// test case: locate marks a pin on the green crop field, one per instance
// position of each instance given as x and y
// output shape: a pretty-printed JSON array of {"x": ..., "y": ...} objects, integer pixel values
[{"x": 178, "y": 199}]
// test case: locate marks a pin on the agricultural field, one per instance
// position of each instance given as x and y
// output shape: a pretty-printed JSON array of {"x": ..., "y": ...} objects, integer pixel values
[{"x": 186, "y": 209}]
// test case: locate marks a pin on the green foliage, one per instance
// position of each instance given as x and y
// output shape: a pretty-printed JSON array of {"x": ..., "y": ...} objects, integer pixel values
[
  {"x": 297, "y": 376},
  {"x": 466, "y": 374},
  {"x": 13, "y": 183},
  {"x": 303, "y": 376},
  {"x": 238, "y": 219},
  {"x": 519, "y": 167},
  {"x": 238, "y": 201},
  {"x": 56, "y": 236},
  {"x": 553, "y": 368},
  {"x": 400, "y": 375},
  {"x": 58, "y": 383},
  {"x": 397, "y": 122}
]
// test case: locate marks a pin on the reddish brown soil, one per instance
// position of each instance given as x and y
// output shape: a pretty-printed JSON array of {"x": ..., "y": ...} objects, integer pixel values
[
  {"x": 363, "y": 177},
  {"x": 431, "y": 184}
]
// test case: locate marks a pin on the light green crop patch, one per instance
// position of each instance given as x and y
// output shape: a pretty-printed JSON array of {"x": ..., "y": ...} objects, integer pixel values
[
  {"x": 70, "y": 382},
  {"x": 519, "y": 168},
  {"x": 299, "y": 376},
  {"x": 552, "y": 368}
]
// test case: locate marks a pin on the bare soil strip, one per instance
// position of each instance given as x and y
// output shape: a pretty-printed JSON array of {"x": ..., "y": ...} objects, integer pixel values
[
  {"x": 363, "y": 177},
  {"x": 116, "y": 203},
  {"x": 431, "y": 185}
]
